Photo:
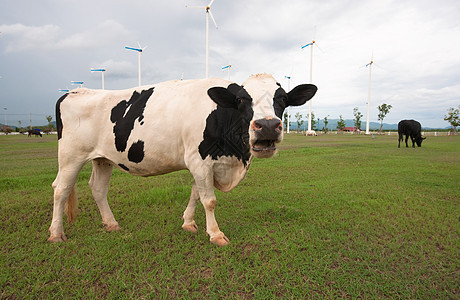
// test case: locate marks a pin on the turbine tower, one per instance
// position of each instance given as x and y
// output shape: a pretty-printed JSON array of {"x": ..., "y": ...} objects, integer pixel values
[
  {"x": 288, "y": 121},
  {"x": 139, "y": 51},
  {"x": 312, "y": 44},
  {"x": 102, "y": 72},
  {"x": 208, "y": 14},
  {"x": 369, "y": 93}
]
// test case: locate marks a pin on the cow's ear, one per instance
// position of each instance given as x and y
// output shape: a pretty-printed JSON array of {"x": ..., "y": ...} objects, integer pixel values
[
  {"x": 301, "y": 94},
  {"x": 223, "y": 97},
  {"x": 234, "y": 88}
]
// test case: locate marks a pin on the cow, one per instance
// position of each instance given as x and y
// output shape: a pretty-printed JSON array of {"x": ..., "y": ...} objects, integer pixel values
[
  {"x": 212, "y": 127},
  {"x": 412, "y": 129},
  {"x": 35, "y": 132}
]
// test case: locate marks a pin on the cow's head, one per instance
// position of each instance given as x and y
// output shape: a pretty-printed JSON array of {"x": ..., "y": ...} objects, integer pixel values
[
  {"x": 419, "y": 140},
  {"x": 261, "y": 102}
]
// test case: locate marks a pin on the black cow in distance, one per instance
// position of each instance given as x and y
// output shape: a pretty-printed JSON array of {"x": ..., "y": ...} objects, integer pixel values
[{"x": 412, "y": 129}]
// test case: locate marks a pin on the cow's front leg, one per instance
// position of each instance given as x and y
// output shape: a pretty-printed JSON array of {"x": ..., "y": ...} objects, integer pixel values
[
  {"x": 204, "y": 181},
  {"x": 189, "y": 213}
]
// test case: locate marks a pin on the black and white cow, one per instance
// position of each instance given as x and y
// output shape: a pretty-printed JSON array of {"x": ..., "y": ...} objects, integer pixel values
[
  {"x": 211, "y": 127},
  {"x": 412, "y": 129}
]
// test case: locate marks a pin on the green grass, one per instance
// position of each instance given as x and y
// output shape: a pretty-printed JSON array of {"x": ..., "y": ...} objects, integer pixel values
[{"x": 327, "y": 217}]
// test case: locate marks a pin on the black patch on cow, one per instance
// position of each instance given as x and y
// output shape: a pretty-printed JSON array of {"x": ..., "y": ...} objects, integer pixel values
[
  {"x": 58, "y": 116},
  {"x": 125, "y": 113},
  {"x": 124, "y": 167},
  {"x": 296, "y": 97},
  {"x": 227, "y": 129},
  {"x": 136, "y": 152},
  {"x": 279, "y": 102}
]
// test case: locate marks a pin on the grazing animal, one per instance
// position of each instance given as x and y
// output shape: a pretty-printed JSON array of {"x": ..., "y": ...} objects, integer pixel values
[
  {"x": 212, "y": 127},
  {"x": 412, "y": 129},
  {"x": 34, "y": 132}
]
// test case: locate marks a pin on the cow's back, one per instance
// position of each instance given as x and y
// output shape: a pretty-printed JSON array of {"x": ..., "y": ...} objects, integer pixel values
[
  {"x": 145, "y": 131},
  {"x": 409, "y": 127}
]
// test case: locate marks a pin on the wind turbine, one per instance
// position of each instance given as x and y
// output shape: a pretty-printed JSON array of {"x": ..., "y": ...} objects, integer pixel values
[
  {"x": 102, "y": 72},
  {"x": 312, "y": 44},
  {"x": 80, "y": 83},
  {"x": 228, "y": 68},
  {"x": 288, "y": 110},
  {"x": 369, "y": 93},
  {"x": 208, "y": 13},
  {"x": 139, "y": 51}
]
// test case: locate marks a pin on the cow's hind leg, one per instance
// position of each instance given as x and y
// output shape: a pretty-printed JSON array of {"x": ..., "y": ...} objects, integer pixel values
[
  {"x": 189, "y": 213},
  {"x": 63, "y": 186},
  {"x": 99, "y": 183}
]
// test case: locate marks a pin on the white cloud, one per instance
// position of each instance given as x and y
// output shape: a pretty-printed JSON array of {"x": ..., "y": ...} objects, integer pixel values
[
  {"x": 104, "y": 34},
  {"x": 49, "y": 37},
  {"x": 28, "y": 37},
  {"x": 118, "y": 69}
]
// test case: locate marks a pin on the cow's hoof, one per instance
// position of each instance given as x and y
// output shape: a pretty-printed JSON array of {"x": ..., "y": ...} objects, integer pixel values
[
  {"x": 114, "y": 227},
  {"x": 192, "y": 227},
  {"x": 220, "y": 240},
  {"x": 57, "y": 238}
]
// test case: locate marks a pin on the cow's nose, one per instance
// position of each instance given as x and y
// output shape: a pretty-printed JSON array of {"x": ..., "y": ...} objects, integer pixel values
[{"x": 268, "y": 128}]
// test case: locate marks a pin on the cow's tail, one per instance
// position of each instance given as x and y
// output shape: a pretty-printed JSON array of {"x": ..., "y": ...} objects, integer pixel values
[{"x": 71, "y": 206}]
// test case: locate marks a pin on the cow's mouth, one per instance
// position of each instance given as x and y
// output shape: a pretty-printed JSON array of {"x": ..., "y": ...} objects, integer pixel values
[{"x": 264, "y": 146}]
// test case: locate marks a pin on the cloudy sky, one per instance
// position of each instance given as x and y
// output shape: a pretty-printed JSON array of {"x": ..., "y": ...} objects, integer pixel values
[{"x": 415, "y": 44}]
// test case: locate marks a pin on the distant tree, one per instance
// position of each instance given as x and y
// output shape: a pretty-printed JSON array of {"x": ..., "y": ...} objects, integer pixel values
[
  {"x": 49, "y": 118},
  {"x": 453, "y": 117},
  {"x": 357, "y": 120},
  {"x": 325, "y": 124},
  {"x": 384, "y": 109},
  {"x": 341, "y": 123},
  {"x": 285, "y": 122},
  {"x": 298, "y": 117},
  {"x": 6, "y": 129}
]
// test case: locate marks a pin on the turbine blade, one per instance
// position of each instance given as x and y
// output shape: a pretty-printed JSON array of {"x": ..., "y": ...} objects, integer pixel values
[
  {"x": 214, "y": 21},
  {"x": 319, "y": 47},
  {"x": 210, "y": 3}
]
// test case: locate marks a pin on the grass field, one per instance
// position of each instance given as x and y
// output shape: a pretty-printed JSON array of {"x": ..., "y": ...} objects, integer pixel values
[{"x": 329, "y": 216}]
